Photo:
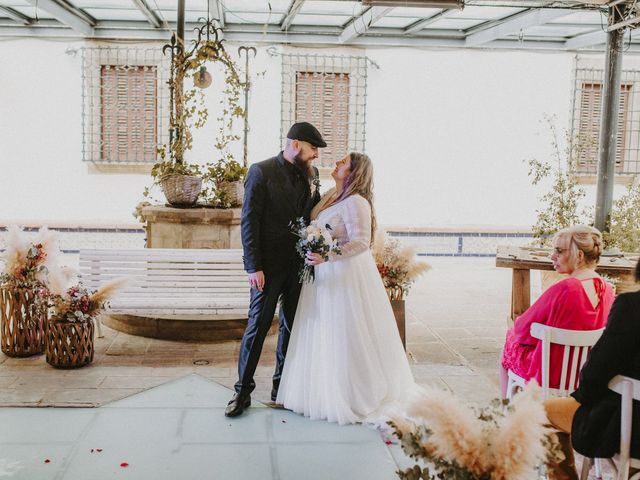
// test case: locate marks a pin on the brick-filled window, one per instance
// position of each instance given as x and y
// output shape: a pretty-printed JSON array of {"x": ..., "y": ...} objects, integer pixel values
[
  {"x": 128, "y": 100},
  {"x": 328, "y": 91},
  {"x": 323, "y": 100},
  {"x": 125, "y": 104}
]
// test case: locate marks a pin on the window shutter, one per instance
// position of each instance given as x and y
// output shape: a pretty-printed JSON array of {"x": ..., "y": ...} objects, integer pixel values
[
  {"x": 323, "y": 100},
  {"x": 129, "y": 113},
  {"x": 589, "y": 126}
]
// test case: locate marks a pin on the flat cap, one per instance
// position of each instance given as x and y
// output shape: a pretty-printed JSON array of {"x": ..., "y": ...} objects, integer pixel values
[{"x": 306, "y": 132}]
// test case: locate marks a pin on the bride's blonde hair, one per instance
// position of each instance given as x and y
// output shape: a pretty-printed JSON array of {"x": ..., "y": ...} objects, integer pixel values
[{"x": 360, "y": 182}]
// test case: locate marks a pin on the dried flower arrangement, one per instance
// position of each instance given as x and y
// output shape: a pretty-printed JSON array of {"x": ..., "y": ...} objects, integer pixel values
[
  {"x": 27, "y": 263},
  {"x": 449, "y": 441},
  {"x": 78, "y": 305},
  {"x": 397, "y": 264}
]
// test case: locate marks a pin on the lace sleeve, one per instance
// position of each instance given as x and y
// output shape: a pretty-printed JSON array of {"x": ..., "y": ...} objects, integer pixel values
[{"x": 356, "y": 214}]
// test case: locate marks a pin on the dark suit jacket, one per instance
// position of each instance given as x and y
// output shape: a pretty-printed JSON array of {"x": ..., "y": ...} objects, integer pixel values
[
  {"x": 270, "y": 205},
  {"x": 596, "y": 424}
]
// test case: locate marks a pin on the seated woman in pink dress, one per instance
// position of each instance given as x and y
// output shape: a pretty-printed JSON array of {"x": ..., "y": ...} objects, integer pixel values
[{"x": 580, "y": 302}]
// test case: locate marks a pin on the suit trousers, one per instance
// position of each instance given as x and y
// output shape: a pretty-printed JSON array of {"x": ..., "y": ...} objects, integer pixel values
[{"x": 283, "y": 287}]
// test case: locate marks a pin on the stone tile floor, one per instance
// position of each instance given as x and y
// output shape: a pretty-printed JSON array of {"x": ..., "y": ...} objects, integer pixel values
[{"x": 456, "y": 321}]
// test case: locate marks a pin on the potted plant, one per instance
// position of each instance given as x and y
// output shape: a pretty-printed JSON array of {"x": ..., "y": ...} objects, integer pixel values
[
  {"x": 24, "y": 291},
  {"x": 399, "y": 268},
  {"x": 226, "y": 181},
  {"x": 70, "y": 330}
]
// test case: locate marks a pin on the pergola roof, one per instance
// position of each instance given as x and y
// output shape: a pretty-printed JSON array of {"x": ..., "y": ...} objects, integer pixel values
[{"x": 507, "y": 24}]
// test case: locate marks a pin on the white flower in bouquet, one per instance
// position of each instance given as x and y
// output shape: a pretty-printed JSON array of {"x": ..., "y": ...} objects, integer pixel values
[{"x": 313, "y": 239}]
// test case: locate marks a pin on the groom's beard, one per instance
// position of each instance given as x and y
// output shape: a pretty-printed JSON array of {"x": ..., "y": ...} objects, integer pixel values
[{"x": 305, "y": 167}]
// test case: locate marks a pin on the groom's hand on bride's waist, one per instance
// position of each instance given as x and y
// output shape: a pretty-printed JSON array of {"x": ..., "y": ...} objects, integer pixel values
[{"x": 256, "y": 280}]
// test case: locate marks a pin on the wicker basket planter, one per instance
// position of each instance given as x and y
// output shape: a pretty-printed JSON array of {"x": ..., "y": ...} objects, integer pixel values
[
  {"x": 181, "y": 190},
  {"x": 234, "y": 191},
  {"x": 21, "y": 323},
  {"x": 69, "y": 345},
  {"x": 396, "y": 297}
]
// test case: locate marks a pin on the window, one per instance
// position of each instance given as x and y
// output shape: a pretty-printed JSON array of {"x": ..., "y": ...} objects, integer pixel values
[
  {"x": 329, "y": 92},
  {"x": 587, "y": 116},
  {"x": 125, "y": 105},
  {"x": 128, "y": 112}
]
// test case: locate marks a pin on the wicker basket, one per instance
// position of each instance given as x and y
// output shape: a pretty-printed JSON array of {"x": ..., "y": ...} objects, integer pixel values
[
  {"x": 69, "y": 345},
  {"x": 21, "y": 323},
  {"x": 181, "y": 190},
  {"x": 234, "y": 191}
]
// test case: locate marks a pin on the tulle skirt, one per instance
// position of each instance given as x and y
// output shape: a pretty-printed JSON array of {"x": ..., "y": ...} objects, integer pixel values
[{"x": 345, "y": 362}]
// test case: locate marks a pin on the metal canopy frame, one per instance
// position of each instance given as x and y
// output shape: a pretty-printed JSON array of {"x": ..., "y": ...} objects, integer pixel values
[{"x": 499, "y": 24}]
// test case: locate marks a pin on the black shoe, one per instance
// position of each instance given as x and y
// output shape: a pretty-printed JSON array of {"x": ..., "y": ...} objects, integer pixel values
[
  {"x": 237, "y": 405},
  {"x": 274, "y": 394}
]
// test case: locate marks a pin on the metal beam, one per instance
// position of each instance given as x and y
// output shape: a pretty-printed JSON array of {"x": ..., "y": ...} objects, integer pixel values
[
  {"x": 16, "y": 16},
  {"x": 294, "y": 8},
  {"x": 363, "y": 22},
  {"x": 585, "y": 40},
  {"x": 515, "y": 23},
  {"x": 217, "y": 7},
  {"x": 149, "y": 14},
  {"x": 609, "y": 123},
  {"x": 67, "y": 14},
  {"x": 420, "y": 24}
]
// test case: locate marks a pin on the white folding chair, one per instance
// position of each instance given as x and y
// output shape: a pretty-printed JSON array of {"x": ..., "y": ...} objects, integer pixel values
[
  {"x": 576, "y": 343},
  {"x": 629, "y": 390}
]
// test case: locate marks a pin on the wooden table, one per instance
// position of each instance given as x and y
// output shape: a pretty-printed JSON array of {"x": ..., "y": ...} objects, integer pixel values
[{"x": 524, "y": 259}]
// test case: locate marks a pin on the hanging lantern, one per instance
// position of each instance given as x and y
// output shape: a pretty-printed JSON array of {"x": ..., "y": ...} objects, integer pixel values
[{"x": 202, "y": 79}]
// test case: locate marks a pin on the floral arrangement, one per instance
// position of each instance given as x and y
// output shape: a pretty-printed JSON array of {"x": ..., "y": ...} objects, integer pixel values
[
  {"x": 313, "y": 238},
  {"x": 26, "y": 263},
  {"x": 450, "y": 441},
  {"x": 397, "y": 264},
  {"x": 78, "y": 305}
]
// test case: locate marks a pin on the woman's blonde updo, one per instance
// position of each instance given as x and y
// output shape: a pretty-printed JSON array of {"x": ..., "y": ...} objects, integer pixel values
[{"x": 585, "y": 239}]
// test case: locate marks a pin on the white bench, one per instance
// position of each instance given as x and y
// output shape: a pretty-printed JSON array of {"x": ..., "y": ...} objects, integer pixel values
[{"x": 170, "y": 282}]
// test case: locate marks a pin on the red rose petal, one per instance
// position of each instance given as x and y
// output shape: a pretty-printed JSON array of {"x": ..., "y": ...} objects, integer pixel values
[
  {"x": 46, "y": 460},
  {"x": 388, "y": 442},
  {"x": 98, "y": 449},
  {"x": 124, "y": 464}
]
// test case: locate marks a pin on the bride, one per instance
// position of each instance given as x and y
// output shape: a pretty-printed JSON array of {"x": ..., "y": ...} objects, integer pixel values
[{"x": 345, "y": 360}]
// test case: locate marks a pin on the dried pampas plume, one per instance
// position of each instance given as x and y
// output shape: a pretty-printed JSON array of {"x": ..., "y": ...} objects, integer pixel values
[
  {"x": 517, "y": 446},
  {"x": 61, "y": 279},
  {"x": 106, "y": 291},
  {"x": 15, "y": 255},
  {"x": 456, "y": 433}
]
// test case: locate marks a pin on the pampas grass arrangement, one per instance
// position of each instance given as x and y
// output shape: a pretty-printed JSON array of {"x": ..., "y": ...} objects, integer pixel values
[
  {"x": 27, "y": 263},
  {"x": 450, "y": 442},
  {"x": 398, "y": 265}
]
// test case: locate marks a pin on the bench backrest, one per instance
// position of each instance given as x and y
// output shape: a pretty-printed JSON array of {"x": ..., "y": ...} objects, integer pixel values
[{"x": 163, "y": 272}]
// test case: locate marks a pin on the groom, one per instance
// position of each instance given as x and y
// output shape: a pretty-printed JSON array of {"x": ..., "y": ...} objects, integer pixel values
[{"x": 277, "y": 191}]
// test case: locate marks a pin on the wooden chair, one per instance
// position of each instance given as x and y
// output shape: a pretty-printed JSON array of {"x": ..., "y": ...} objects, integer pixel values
[{"x": 576, "y": 343}]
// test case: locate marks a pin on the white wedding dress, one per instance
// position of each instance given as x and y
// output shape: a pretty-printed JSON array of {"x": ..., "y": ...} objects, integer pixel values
[{"x": 345, "y": 362}]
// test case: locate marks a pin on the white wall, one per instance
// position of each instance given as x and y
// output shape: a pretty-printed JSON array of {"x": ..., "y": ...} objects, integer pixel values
[{"x": 448, "y": 131}]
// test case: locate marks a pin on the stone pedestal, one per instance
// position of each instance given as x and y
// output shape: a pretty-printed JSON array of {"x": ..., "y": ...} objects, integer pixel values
[{"x": 169, "y": 227}]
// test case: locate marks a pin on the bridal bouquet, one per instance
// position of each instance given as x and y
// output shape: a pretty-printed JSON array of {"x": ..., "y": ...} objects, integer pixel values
[{"x": 316, "y": 239}]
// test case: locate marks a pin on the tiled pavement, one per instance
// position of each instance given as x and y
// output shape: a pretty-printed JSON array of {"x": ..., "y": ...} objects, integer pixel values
[
  {"x": 456, "y": 318},
  {"x": 455, "y": 328}
]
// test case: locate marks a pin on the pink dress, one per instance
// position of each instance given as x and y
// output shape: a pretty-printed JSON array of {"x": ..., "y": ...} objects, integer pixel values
[{"x": 564, "y": 305}]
